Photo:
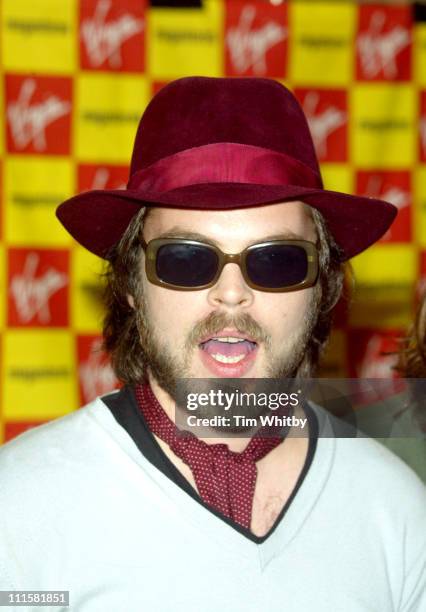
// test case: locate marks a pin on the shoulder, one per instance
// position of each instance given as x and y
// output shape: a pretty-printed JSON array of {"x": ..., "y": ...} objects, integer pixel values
[
  {"x": 367, "y": 472},
  {"x": 374, "y": 501},
  {"x": 374, "y": 468},
  {"x": 377, "y": 496},
  {"x": 56, "y": 485},
  {"x": 57, "y": 429},
  {"x": 60, "y": 444}
]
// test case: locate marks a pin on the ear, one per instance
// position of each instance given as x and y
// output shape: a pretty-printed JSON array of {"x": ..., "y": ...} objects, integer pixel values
[{"x": 131, "y": 301}]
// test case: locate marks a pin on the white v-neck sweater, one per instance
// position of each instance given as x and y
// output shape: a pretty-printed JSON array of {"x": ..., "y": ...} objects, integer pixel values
[{"x": 81, "y": 509}]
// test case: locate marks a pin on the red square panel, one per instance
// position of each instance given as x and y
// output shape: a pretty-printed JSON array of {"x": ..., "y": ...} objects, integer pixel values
[
  {"x": 256, "y": 35},
  {"x": 384, "y": 43},
  {"x": 422, "y": 124},
  {"x": 112, "y": 35},
  {"x": 38, "y": 285},
  {"x": 393, "y": 187},
  {"x": 91, "y": 176},
  {"x": 327, "y": 113},
  {"x": 95, "y": 374},
  {"x": 156, "y": 86},
  {"x": 373, "y": 353},
  {"x": 38, "y": 113}
]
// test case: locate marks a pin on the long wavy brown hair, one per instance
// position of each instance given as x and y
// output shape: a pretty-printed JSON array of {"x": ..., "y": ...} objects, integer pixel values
[
  {"x": 412, "y": 357},
  {"x": 123, "y": 277},
  {"x": 412, "y": 364}
]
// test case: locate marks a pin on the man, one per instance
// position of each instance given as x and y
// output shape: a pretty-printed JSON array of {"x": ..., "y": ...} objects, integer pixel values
[{"x": 225, "y": 259}]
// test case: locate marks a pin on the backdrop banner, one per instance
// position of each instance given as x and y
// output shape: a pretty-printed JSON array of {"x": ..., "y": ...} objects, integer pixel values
[{"x": 75, "y": 78}]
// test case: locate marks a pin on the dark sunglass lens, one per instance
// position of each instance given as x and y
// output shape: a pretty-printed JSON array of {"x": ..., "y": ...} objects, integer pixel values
[
  {"x": 186, "y": 265},
  {"x": 277, "y": 266}
]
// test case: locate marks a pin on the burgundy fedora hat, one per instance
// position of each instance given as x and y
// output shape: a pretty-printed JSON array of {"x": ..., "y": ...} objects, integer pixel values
[{"x": 223, "y": 143}]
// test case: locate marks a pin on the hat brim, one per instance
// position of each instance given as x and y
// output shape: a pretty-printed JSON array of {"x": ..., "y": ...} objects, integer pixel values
[{"x": 97, "y": 219}]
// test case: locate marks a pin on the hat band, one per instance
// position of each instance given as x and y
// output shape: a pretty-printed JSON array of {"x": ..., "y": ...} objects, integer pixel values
[{"x": 224, "y": 162}]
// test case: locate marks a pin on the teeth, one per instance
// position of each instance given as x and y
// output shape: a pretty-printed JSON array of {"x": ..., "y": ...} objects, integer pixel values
[
  {"x": 230, "y": 339},
  {"x": 224, "y": 359}
]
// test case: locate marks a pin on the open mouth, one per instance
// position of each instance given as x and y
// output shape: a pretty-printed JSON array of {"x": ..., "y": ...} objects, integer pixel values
[
  {"x": 228, "y": 349},
  {"x": 228, "y": 355}
]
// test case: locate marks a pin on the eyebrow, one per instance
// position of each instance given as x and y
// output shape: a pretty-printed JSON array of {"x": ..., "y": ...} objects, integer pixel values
[{"x": 177, "y": 232}]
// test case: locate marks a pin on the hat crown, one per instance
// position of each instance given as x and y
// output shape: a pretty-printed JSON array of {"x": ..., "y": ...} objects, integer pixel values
[
  {"x": 219, "y": 144},
  {"x": 198, "y": 111}
]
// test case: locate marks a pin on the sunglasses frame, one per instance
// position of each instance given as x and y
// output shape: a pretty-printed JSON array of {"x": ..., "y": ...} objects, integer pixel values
[{"x": 152, "y": 247}]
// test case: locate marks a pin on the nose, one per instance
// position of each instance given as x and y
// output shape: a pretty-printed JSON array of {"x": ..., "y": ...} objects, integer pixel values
[{"x": 231, "y": 289}]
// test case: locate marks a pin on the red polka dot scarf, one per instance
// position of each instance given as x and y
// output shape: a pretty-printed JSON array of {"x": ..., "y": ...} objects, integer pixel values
[{"x": 225, "y": 479}]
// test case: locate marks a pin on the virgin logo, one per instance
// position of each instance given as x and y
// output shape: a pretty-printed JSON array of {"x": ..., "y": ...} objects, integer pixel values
[
  {"x": 101, "y": 178},
  {"x": 393, "y": 194},
  {"x": 322, "y": 124},
  {"x": 32, "y": 294},
  {"x": 96, "y": 376},
  {"x": 375, "y": 363},
  {"x": 248, "y": 46},
  {"x": 104, "y": 40},
  {"x": 28, "y": 122},
  {"x": 378, "y": 49}
]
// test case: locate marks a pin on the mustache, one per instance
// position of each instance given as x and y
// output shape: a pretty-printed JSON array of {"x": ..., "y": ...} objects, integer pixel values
[{"x": 216, "y": 321}]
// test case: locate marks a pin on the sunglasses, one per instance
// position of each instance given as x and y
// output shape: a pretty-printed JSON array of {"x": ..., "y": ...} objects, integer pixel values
[{"x": 189, "y": 265}]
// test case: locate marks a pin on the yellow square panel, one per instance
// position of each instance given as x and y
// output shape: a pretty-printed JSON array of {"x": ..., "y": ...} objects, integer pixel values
[
  {"x": 3, "y": 289},
  {"x": 108, "y": 110},
  {"x": 185, "y": 42},
  {"x": 86, "y": 291},
  {"x": 383, "y": 313},
  {"x": 383, "y": 125},
  {"x": 337, "y": 177},
  {"x": 321, "y": 43},
  {"x": 39, "y": 36},
  {"x": 38, "y": 374},
  {"x": 420, "y": 205},
  {"x": 2, "y": 117},
  {"x": 385, "y": 277},
  {"x": 33, "y": 189},
  {"x": 420, "y": 54},
  {"x": 389, "y": 265}
]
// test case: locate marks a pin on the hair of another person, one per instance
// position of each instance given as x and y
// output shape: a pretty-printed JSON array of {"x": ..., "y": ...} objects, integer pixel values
[
  {"x": 412, "y": 363},
  {"x": 123, "y": 278},
  {"x": 412, "y": 357}
]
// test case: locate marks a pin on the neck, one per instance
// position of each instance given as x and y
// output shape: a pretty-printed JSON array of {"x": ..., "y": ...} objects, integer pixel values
[{"x": 235, "y": 444}]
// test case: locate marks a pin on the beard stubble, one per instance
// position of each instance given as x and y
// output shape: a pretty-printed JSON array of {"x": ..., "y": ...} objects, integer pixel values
[{"x": 168, "y": 369}]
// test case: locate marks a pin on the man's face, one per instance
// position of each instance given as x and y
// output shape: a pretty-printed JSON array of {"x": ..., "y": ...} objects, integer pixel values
[{"x": 178, "y": 327}]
